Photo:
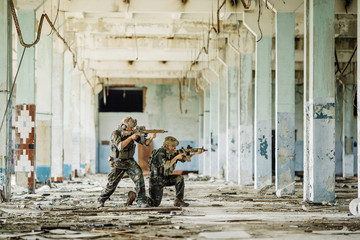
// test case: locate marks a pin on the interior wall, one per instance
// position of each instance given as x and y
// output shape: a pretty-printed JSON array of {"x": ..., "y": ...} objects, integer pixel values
[{"x": 161, "y": 111}]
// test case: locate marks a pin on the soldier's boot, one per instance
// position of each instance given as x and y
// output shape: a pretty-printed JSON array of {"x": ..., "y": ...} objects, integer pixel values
[
  {"x": 101, "y": 202},
  {"x": 180, "y": 203},
  {"x": 131, "y": 198}
]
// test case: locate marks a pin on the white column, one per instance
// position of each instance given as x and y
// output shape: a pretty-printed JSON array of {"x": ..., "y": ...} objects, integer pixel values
[
  {"x": 223, "y": 119},
  {"x": 43, "y": 107},
  {"x": 82, "y": 126},
  {"x": 232, "y": 166},
  {"x": 75, "y": 102},
  {"x": 285, "y": 103},
  {"x": 5, "y": 86},
  {"x": 57, "y": 128},
  {"x": 207, "y": 134},
  {"x": 246, "y": 168},
  {"x": 263, "y": 97},
  {"x": 68, "y": 111},
  {"x": 214, "y": 129}
]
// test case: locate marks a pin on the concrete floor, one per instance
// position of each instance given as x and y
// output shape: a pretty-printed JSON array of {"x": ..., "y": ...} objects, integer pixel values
[{"x": 217, "y": 210}]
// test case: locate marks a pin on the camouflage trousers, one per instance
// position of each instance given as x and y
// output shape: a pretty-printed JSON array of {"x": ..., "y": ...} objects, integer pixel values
[
  {"x": 118, "y": 169},
  {"x": 157, "y": 185}
]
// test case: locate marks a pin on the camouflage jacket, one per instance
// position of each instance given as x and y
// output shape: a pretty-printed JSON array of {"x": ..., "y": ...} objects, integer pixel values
[
  {"x": 118, "y": 153},
  {"x": 161, "y": 163}
]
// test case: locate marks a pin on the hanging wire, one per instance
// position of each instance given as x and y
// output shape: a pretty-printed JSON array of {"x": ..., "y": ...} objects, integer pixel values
[
  {"x": 258, "y": 21},
  {"x": 12, "y": 88},
  {"x": 44, "y": 15},
  {"x": 57, "y": 13}
]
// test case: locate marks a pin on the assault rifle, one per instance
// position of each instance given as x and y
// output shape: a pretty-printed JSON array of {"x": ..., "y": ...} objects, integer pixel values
[
  {"x": 143, "y": 132},
  {"x": 188, "y": 150}
]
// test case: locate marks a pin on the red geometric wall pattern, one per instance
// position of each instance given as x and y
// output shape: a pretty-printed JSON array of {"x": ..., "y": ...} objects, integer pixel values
[{"x": 25, "y": 142}]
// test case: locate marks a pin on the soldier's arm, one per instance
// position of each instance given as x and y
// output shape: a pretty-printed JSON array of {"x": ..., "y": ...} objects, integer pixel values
[
  {"x": 174, "y": 159},
  {"x": 199, "y": 151},
  {"x": 149, "y": 140},
  {"x": 128, "y": 140}
]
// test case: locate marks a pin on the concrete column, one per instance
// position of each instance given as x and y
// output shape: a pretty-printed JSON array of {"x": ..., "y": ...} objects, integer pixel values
[
  {"x": 207, "y": 134},
  {"x": 83, "y": 122},
  {"x": 5, "y": 87},
  {"x": 214, "y": 129},
  {"x": 67, "y": 115},
  {"x": 263, "y": 80},
  {"x": 321, "y": 180},
  {"x": 25, "y": 158},
  {"x": 233, "y": 159},
  {"x": 223, "y": 120},
  {"x": 246, "y": 47},
  {"x": 307, "y": 110},
  {"x": 43, "y": 107},
  {"x": 246, "y": 121},
  {"x": 285, "y": 103},
  {"x": 57, "y": 130},
  {"x": 262, "y": 128},
  {"x": 358, "y": 96},
  {"x": 348, "y": 133},
  {"x": 90, "y": 141},
  {"x": 75, "y": 102},
  {"x": 201, "y": 130}
]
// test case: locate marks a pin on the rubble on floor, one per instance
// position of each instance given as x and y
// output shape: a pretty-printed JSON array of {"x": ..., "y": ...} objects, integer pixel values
[{"x": 218, "y": 210}]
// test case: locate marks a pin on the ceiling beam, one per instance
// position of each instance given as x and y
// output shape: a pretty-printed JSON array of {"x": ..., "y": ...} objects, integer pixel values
[
  {"x": 143, "y": 65},
  {"x": 152, "y": 74},
  {"x": 146, "y": 6}
]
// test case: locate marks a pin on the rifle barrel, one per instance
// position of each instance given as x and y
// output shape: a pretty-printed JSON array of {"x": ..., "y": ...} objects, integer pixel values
[{"x": 154, "y": 131}]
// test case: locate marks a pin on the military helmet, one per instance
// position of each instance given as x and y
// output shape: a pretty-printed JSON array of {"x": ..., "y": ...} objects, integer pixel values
[
  {"x": 127, "y": 122},
  {"x": 171, "y": 141}
]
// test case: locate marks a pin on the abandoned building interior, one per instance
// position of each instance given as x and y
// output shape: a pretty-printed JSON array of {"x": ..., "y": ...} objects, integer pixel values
[{"x": 267, "y": 87}]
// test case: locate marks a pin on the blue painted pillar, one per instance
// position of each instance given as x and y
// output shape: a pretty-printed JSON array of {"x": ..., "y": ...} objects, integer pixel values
[
  {"x": 285, "y": 103},
  {"x": 207, "y": 135},
  {"x": 348, "y": 130},
  {"x": 5, "y": 85},
  {"x": 223, "y": 119},
  {"x": 25, "y": 137},
  {"x": 262, "y": 127},
  {"x": 67, "y": 115},
  {"x": 321, "y": 129},
  {"x": 43, "y": 107},
  {"x": 214, "y": 129},
  {"x": 246, "y": 120}
]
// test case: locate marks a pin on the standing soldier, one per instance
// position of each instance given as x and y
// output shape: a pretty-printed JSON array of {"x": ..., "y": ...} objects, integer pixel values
[
  {"x": 122, "y": 160},
  {"x": 162, "y": 165}
]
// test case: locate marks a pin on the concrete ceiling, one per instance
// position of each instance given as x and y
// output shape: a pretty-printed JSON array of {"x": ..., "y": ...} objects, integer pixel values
[{"x": 158, "y": 41}]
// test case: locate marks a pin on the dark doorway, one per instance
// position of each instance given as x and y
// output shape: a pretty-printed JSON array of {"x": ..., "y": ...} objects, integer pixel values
[{"x": 121, "y": 99}]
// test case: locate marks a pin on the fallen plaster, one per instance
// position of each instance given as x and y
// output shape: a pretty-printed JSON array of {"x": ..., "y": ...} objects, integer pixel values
[{"x": 218, "y": 210}]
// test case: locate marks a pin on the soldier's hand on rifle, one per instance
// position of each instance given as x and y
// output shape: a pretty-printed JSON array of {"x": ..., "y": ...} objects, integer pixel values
[
  {"x": 134, "y": 136},
  {"x": 153, "y": 135},
  {"x": 179, "y": 156},
  {"x": 200, "y": 151}
]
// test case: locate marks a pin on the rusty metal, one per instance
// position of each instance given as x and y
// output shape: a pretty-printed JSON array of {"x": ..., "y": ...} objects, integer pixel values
[{"x": 44, "y": 15}]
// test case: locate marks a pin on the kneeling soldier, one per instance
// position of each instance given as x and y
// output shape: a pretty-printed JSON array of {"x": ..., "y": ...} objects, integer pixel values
[{"x": 162, "y": 165}]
